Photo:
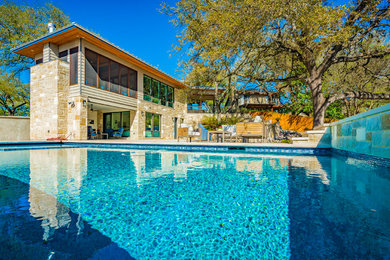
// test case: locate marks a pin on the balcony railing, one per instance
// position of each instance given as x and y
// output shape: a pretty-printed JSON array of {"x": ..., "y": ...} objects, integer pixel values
[{"x": 197, "y": 108}]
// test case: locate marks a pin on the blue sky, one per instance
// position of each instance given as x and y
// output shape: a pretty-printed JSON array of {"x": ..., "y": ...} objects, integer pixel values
[{"x": 134, "y": 25}]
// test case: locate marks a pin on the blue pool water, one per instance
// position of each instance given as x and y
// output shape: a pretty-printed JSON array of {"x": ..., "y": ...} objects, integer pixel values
[{"x": 85, "y": 203}]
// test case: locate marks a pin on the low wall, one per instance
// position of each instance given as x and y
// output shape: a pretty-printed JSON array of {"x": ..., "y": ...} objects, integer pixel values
[
  {"x": 365, "y": 133},
  {"x": 14, "y": 128}
]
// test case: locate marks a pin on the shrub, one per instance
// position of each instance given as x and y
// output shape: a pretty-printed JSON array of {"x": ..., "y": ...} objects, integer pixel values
[{"x": 212, "y": 123}]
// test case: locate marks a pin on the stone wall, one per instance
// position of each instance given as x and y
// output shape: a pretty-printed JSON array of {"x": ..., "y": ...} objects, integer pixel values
[
  {"x": 53, "y": 112},
  {"x": 14, "y": 128},
  {"x": 365, "y": 133},
  {"x": 168, "y": 114},
  {"x": 48, "y": 100}
]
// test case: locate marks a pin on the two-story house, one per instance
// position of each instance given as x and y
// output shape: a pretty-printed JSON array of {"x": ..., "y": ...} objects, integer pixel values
[{"x": 79, "y": 79}]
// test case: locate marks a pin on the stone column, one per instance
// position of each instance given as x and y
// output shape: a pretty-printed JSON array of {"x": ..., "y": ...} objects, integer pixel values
[
  {"x": 77, "y": 118},
  {"x": 49, "y": 90}
]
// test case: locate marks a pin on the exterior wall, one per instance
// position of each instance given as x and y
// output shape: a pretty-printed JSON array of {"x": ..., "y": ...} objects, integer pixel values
[
  {"x": 195, "y": 118},
  {"x": 366, "y": 133},
  {"x": 48, "y": 99},
  {"x": 53, "y": 112},
  {"x": 14, "y": 128},
  {"x": 168, "y": 114}
]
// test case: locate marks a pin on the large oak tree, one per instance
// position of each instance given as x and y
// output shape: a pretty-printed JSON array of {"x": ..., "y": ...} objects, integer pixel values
[
  {"x": 274, "y": 43},
  {"x": 20, "y": 23}
]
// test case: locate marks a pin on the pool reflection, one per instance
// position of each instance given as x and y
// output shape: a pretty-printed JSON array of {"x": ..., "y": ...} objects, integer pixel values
[{"x": 180, "y": 203}]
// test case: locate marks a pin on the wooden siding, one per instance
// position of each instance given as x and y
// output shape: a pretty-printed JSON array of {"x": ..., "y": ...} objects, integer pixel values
[{"x": 109, "y": 98}]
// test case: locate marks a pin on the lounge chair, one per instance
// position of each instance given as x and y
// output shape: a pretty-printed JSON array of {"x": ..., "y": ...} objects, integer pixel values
[
  {"x": 204, "y": 133},
  {"x": 118, "y": 134},
  {"x": 91, "y": 133}
]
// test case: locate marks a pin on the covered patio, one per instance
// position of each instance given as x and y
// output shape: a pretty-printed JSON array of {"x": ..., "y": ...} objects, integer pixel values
[{"x": 107, "y": 121}]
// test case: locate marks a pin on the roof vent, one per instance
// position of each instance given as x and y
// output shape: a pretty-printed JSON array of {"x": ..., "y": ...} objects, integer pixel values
[{"x": 51, "y": 27}]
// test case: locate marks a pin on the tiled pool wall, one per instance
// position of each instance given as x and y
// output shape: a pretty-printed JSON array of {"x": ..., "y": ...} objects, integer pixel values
[
  {"x": 367, "y": 133},
  {"x": 176, "y": 147},
  {"x": 219, "y": 148}
]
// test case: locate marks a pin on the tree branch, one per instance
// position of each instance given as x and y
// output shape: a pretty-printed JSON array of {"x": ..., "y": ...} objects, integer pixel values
[{"x": 357, "y": 94}]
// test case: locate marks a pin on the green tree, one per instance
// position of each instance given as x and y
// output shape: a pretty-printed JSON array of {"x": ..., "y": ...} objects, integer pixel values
[
  {"x": 20, "y": 24},
  {"x": 271, "y": 43},
  {"x": 14, "y": 96}
]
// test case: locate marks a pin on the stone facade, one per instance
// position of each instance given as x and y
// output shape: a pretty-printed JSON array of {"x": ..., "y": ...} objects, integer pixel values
[
  {"x": 167, "y": 120},
  {"x": 366, "y": 133},
  {"x": 54, "y": 113}
]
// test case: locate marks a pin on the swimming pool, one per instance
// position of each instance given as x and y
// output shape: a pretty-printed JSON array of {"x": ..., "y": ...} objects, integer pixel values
[{"x": 92, "y": 203}]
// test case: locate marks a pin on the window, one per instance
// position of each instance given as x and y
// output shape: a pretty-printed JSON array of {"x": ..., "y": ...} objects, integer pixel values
[
  {"x": 155, "y": 91},
  {"x": 114, "y": 77},
  {"x": 124, "y": 81},
  {"x": 63, "y": 55},
  {"x": 38, "y": 61},
  {"x": 163, "y": 94},
  {"x": 74, "y": 65},
  {"x": 104, "y": 65},
  {"x": 91, "y": 66},
  {"x": 152, "y": 125},
  {"x": 109, "y": 75},
  {"x": 170, "y": 96},
  {"x": 133, "y": 82},
  {"x": 158, "y": 92},
  {"x": 147, "y": 88}
]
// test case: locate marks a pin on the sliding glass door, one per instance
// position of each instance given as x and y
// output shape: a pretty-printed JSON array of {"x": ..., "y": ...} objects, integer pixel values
[
  {"x": 152, "y": 125},
  {"x": 116, "y": 120}
]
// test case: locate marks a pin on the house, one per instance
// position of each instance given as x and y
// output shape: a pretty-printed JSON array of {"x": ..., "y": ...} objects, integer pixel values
[
  {"x": 203, "y": 100},
  {"x": 256, "y": 100},
  {"x": 79, "y": 79}
]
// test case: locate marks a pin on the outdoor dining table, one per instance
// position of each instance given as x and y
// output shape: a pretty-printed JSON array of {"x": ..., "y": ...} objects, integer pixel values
[{"x": 217, "y": 133}]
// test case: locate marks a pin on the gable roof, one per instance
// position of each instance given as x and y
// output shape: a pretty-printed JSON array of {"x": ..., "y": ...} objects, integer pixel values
[{"x": 75, "y": 31}]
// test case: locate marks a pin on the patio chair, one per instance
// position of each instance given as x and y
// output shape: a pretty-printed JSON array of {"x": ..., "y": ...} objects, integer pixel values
[
  {"x": 118, "y": 134},
  {"x": 91, "y": 133},
  {"x": 204, "y": 133},
  {"x": 231, "y": 129},
  {"x": 187, "y": 131}
]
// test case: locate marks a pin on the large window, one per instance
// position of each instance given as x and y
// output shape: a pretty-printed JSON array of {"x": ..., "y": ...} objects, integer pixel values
[
  {"x": 63, "y": 55},
  {"x": 109, "y": 75},
  {"x": 158, "y": 92},
  {"x": 152, "y": 125},
  {"x": 91, "y": 68},
  {"x": 114, "y": 77},
  {"x": 104, "y": 70},
  {"x": 74, "y": 54}
]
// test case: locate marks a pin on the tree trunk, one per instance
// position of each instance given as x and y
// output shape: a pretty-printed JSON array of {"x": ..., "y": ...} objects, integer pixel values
[{"x": 319, "y": 102}]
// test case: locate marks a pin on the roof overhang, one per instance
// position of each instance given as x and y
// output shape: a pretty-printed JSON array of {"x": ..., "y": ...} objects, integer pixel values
[{"x": 75, "y": 31}]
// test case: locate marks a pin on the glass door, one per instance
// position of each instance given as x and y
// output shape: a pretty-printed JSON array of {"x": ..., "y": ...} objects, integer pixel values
[
  {"x": 106, "y": 122},
  {"x": 152, "y": 125}
]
